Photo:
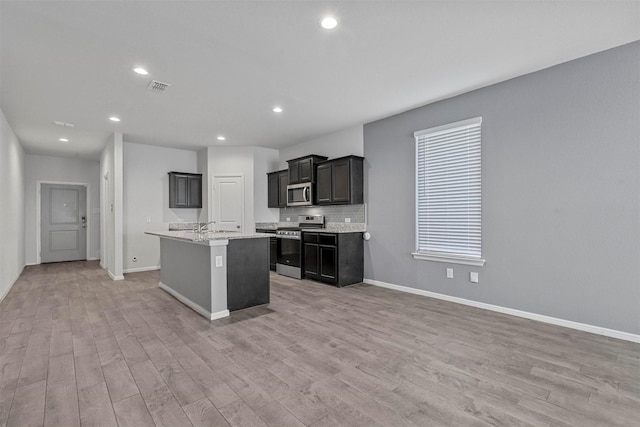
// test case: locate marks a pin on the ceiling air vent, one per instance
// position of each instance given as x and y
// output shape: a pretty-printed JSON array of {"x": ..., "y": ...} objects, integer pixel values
[
  {"x": 63, "y": 124},
  {"x": 157, "y": 87}
]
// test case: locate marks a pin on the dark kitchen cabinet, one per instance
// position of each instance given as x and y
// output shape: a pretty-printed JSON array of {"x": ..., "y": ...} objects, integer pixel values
[
  {"x": 340, "y": 181},
  {"x": 248, "y": 275},
  {"x": 302, "y": 169},
  {"x": 273, "y": 253},
  {"x": 335, "y": 258},
  {"x": 277, "y": 188},
  {"x": 273, "y": 247},
  {"x": 185, "y": 190}
]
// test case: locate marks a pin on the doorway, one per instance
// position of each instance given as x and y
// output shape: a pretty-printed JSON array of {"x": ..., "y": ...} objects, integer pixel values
[
  {"x": 228, "y": 202},
  {"x": 63, "y": 222}
]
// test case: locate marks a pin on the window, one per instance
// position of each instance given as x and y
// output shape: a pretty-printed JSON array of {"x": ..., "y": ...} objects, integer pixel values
[{"x": 448, "y": 193}]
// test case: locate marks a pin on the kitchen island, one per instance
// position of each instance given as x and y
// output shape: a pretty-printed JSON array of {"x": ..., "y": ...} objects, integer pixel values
[{"x": 215, "y": 272}]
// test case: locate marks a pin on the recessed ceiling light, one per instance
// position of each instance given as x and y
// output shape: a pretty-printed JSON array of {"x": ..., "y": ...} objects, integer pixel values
[
  {"x": 114, "y": 119},
  {"x": 277, "y": 109},
  {"x": 141, "y": 71},
  {"x": 221, "y": 138},
  {"x": 63, "y": 140},
  {"x": 329, "y": 23}
]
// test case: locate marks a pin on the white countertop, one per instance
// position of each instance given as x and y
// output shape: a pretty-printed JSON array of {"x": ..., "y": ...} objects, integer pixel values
[{"x": 208, "y": 238}]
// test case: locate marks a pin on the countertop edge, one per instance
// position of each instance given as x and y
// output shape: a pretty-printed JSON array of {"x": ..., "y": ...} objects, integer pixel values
[{"x": 209, "y": 239}]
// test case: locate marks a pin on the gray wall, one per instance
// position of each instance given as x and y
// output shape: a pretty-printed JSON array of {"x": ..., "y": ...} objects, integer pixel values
[
  {"x": 560, "y": 188},
  {"x": 60, "y": 169},
  {"x": 12, "y": 223},
  {"x": 146, "y": 195}
]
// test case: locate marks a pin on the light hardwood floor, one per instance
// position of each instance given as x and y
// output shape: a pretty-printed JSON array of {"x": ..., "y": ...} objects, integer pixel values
[{"x": 79, "y": 349}]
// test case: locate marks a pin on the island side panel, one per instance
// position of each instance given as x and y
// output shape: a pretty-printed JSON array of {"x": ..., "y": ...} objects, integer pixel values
[
  {"x": 247, "y": 273},
  {"x": 188, "y": 269}
]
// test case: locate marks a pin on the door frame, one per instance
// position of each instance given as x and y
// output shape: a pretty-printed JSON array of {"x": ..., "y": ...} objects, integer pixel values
[
  {"x": 212, "y": 200},
  {"x": 39, "y": 215}
]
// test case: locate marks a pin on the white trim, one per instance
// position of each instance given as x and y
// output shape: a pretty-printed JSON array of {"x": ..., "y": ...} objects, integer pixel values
[
  {"x": 13, "y": 282},
  {"x": 612, "y": 333},
  {"x": 141, "y": 269},
  {"x": 462, "y": 123},
  {"x": 195, "y": 307},
  {"x": 93, "y": 258},
  {"x": 451, "y": 259},
  {"x": 113, "y": 276},
  {"x": 39, "y": 218}
]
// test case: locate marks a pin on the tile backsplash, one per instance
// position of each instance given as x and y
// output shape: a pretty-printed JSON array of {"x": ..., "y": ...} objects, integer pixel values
[{"x": 334, "y": 213}]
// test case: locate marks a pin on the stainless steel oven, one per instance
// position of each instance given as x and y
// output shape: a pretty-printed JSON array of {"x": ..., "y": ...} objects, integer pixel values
[
  {"x": 289, "y": 253},
  {"x": 300, "y": 194},
  {"x": 289, "y": 245}
]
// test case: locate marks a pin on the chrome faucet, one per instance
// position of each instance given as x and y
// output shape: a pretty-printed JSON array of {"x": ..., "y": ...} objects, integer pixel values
[{"x": 203, "y": 227}]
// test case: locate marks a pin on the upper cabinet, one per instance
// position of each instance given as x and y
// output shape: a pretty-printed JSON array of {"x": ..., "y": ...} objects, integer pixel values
[
  {"x": 340, "y": 181},
  {"x": 303, "y": 169},
  {"x": 185, "y": 190},
  {"x": 277, "y": 188}
]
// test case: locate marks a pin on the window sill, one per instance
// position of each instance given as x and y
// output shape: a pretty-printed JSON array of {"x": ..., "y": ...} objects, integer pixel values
[{"x": 451, "y": 259}]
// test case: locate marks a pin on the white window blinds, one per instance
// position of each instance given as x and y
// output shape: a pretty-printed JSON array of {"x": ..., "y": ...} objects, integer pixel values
[{"x": 448, "y": 193}]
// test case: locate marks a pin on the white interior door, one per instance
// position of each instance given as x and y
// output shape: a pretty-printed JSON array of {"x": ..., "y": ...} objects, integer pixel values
[
  {"x": 63, "y": 222},
  {"x": 228, "y": 203}
]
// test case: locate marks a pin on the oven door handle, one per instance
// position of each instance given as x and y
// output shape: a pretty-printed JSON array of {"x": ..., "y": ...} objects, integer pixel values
[{"x": 289, "y": 237}]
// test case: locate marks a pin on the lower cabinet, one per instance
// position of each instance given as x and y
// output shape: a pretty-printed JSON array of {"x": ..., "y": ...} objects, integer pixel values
[
  {"x": 335, "y": 258},
  {"x": 273, "y": 247},
  {"x": 273, "y": 253}
]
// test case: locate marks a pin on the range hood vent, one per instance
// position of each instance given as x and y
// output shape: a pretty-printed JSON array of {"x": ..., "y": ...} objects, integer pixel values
[{"x": 157, "y": 87}]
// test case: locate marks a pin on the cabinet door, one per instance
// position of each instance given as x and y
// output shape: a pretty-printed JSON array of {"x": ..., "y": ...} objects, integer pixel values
[
  {"x": 273, "y": 191},
  {"x": 341, "y": 182},
  {"x": 323, "y": 184},
  {"x": 273, "y": 253},
  {"x": 283, "y": 180},
  {"x": 194, "y": 191},
  {"x": 294, "y": 172},
  {"x": 311, "y": 261},
  {"x": 181, "y": 199},
  {"x": 305, "y": 170},
  {"x": 328, "y": 263}
]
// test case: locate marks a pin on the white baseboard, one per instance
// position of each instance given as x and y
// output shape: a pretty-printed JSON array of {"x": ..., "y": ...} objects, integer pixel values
[
  {"x": 513, "y": 312},
  {"x": 195, "y": 307},
  {"x": 13, "y": 282},
  {"x": 31, "y": 263},
  {"x": 93, "y": 258},
  {"x": 140, "y": 269},
  {"x": 114, "y": 277}
]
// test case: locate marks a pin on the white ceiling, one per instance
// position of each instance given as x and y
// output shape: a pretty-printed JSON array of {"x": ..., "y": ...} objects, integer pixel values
[{"x": 230, "y": 62}]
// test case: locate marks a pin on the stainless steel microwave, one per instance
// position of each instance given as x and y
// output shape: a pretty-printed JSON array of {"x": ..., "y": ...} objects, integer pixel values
[{"x": 300, "y": 194}]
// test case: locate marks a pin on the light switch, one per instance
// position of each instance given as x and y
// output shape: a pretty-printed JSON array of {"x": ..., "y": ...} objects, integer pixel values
[
  {"x": 148, "y": 219},
  {"x": 218, "y": 261},
  {"x": 473, "y": 277},
  {"x": 449, "y": 273}
]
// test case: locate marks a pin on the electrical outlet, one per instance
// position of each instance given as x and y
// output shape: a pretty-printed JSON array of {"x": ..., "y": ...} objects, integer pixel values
[
  {"x": 449, "y": 273},
  {"x": 288, "y": 219},
  {"x": 218, "y": 261},
  {"x": 148, "y": 219},
  {"x": 473, "y": 277},
  {"x": 347, "y": 220}
]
